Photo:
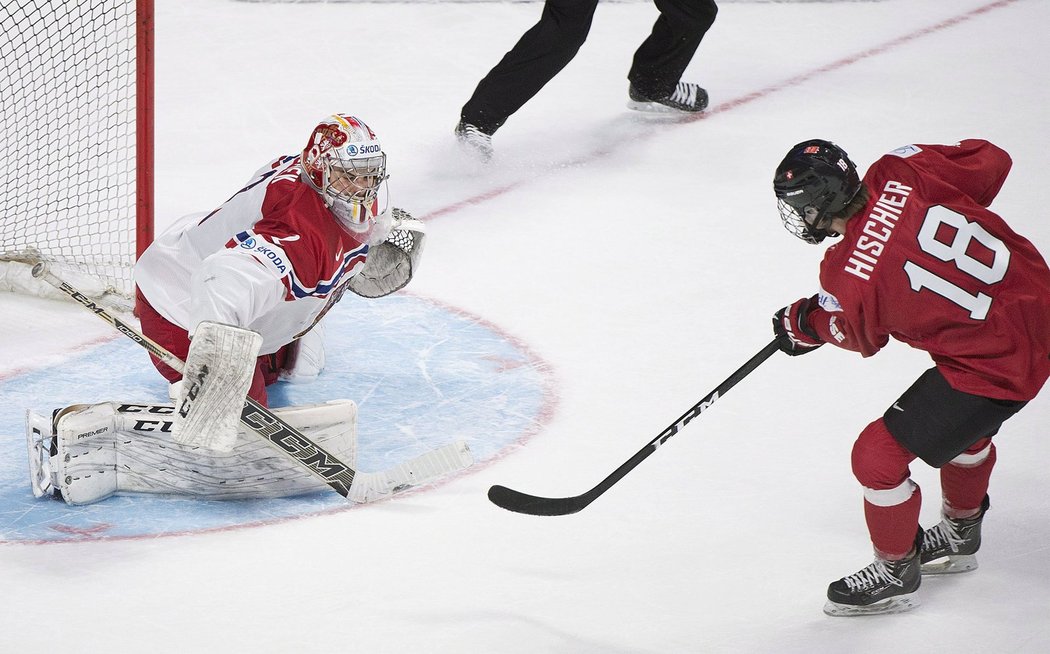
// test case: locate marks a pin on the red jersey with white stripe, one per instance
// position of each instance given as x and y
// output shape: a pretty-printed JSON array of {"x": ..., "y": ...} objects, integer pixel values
[
  {"x": 272, "y": 258},
  {"x": 926, "y": 262}
]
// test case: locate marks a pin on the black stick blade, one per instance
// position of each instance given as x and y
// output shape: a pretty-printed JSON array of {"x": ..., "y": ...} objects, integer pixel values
[{"x": 518, "y": 502}]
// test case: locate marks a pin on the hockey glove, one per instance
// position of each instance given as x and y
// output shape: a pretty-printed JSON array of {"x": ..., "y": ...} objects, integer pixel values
[{"x": 791, "y": 326}]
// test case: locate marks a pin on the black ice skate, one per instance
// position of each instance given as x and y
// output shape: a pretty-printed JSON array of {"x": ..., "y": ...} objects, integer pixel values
[
  {"x": 949, "y": 547},
  {"x": 474, "y": 142},
  {"x": 882, "y": 587},
  {"x": 686, "y": 97}
]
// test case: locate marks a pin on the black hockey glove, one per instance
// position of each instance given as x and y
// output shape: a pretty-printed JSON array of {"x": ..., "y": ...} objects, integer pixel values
[{"x": 792, "y": 329}]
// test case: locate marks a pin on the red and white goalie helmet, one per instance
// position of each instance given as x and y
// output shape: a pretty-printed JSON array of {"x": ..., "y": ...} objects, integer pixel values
[{"x": 345, "y": 163}]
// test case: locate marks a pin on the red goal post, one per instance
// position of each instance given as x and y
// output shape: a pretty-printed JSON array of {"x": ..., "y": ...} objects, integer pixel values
[{"x": 76, "y": 114}]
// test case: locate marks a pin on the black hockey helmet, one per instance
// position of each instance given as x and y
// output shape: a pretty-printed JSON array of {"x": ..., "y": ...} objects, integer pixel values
[{"x": 814, "y": 181}]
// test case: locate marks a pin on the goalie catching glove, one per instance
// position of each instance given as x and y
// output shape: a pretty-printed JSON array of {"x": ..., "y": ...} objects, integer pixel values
[
  {"x": 392, "y": 263},
  {"x": 791, "y": 326}
]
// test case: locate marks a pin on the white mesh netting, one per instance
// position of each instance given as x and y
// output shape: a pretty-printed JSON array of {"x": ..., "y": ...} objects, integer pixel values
[{"x": 67, "y": 115}]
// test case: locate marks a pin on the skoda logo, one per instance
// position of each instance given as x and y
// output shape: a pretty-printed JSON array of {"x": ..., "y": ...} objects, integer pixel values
[
  {"x": 351, "y": 150},
  {"x": 248, "y": 244}
]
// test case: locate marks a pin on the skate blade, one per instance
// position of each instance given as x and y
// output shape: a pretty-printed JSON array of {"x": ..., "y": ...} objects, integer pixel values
[
  {"x": 951, "y": 564},
  {"x": 657, "y": 110},
  {"x": 898, "y": 604}
]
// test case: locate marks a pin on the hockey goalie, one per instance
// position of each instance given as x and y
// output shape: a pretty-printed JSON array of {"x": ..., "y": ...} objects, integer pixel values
[
  {"x": 234, "y": 300},
  {"x": 248, "y": 284}
]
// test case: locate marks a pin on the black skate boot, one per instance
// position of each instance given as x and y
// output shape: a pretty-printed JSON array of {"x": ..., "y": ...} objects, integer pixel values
[
  {"x": 882, "y": 587},
  {"x": 685, "y": 98},
  {"x": 949, "y": 547},
  {"x": 474, "y": 142}
]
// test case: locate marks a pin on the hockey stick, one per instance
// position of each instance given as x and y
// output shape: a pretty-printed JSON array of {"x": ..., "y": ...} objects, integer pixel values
[
  {"x": 357, "y": 486},
  {"x": 519, "y": 502}
]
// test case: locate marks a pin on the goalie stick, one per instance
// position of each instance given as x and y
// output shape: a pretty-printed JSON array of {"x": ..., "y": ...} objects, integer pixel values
[
  {"x": 351, "y": 484},
  {"x": 519, "y": 502}
]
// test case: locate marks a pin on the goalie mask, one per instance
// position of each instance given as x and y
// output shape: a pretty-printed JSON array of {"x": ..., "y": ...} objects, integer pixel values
[
  {"x": 345, "y": 163},
  {"x": 815, "y": 181}
]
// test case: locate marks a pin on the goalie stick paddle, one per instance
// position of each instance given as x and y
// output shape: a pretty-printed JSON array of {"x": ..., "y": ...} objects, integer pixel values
[
  {"x": 287, "y": 439},
  {"x": 518, "y": 502}
]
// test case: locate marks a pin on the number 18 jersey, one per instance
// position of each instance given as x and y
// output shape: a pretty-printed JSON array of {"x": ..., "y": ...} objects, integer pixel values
[{"x": 926, "y": 262}]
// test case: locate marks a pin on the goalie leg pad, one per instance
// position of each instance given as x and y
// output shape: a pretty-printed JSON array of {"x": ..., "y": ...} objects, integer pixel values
[
  {"x": 219, "y": 370},
  {"x": 84, "y": 465},
  {"x": 112, "y": 448},
  {"x": 252, "y": 468}
]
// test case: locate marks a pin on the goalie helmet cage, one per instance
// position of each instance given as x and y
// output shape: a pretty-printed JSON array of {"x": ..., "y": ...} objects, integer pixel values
[{"x": 76, "y": 116}]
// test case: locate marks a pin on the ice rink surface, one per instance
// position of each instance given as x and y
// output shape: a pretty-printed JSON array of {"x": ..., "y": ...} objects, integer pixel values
[{"x": 640, "y": 261}]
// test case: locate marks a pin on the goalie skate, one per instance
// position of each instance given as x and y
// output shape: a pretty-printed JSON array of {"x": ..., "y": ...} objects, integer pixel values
[{"x": 41, "y": 448}]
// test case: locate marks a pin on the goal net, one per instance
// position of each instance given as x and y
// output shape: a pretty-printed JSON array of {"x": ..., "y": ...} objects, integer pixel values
[{"x": 76, "y": 119}]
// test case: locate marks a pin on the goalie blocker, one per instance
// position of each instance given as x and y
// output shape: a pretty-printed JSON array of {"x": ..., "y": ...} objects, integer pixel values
[{"x": 218, "y": 374}]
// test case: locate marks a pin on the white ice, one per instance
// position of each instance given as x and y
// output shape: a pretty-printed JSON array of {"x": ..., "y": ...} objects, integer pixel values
[{"x": 642, "y": 261}]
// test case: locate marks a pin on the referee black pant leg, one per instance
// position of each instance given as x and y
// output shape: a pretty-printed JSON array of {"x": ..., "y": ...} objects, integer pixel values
[
  {"x": 534, "y": 60},
  {"x": 662, "y": 58}
]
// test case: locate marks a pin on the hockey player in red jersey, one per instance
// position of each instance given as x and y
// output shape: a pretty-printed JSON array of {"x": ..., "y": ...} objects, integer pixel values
[
  {"x": 261, "y": 270},
  {"x": 921, "y": 260}
]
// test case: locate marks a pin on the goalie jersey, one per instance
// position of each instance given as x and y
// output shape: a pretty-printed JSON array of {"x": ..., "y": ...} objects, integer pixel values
[
  {"x": 272, "y": 259},
  {"x": 927, "y": 263}
]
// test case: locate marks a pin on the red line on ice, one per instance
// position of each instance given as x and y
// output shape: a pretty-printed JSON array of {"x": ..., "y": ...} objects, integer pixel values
[{"x": 481, "y": 198}]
